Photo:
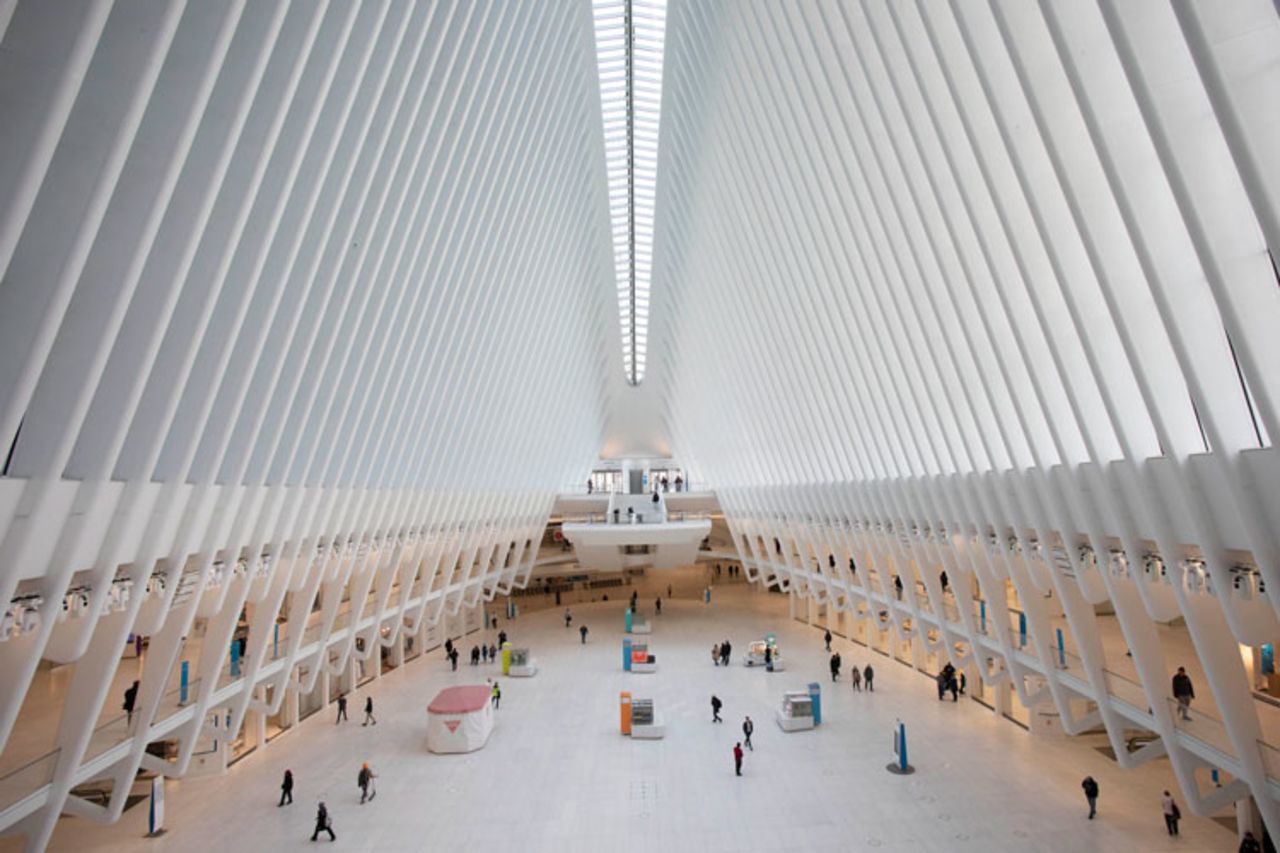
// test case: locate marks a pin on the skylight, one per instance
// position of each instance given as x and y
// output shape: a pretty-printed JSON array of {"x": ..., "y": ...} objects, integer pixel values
[{"x": 629, "y": 37}]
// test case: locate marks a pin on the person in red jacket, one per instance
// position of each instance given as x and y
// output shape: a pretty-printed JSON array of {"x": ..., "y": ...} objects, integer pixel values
[{"x": 737, "y": 759}]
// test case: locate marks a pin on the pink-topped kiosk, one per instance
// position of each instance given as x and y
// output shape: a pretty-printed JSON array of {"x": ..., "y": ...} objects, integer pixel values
[{"x": 459, "y": 719}]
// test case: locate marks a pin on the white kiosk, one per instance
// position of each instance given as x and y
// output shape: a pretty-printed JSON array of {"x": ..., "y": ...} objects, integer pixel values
[
  {"x": 460, "y": 719},
  {"x": 796, "y": 712}
]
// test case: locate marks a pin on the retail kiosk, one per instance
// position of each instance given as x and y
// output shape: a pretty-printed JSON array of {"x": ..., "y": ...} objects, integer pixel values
[
  {"x": 521, "y": 664},
  {"x": 639, "y": 719},
  {"x": 800, "y": 709},
  {"x": 634, "y": 623},
  {"x": 764, "y": 653},
  {"x": 460, "y": 719}
]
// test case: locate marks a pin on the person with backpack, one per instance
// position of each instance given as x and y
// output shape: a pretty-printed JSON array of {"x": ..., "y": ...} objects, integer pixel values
[
  {"x": 716, "y": 705},
  {"x": 1091, "y": 794},
  {"x": 323, "y": 823},
  {"x": 1172, "y": 814},
  {"x": 286, "y": 789}
]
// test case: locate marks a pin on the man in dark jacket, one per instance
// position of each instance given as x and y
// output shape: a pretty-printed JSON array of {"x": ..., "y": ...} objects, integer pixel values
[
  {"x": 747, "y": 728},
  {"x": 716, "y": 705},
  {"x": 1091, "y": 794},
  {"x": 1183, "y": 692},
  {"x": 323, "y": 823},
  {"x": 286, "y": 788}
]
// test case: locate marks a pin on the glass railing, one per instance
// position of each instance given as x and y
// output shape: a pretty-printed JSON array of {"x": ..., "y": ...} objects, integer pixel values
[
  {"x": 22, "y": 781},
  {"x": 1127, "y": 690},
  {"x": 1270, "y": 760},
  {"x": 1201, "y": 725},
  {"x": 107, "y": 734}
]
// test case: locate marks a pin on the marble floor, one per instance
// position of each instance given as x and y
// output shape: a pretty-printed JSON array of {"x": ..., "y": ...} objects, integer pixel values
[{"x": 556, "y": 775}]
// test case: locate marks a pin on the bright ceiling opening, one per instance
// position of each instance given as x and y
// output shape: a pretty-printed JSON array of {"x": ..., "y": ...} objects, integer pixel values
[{"x": 629, "y": 38}]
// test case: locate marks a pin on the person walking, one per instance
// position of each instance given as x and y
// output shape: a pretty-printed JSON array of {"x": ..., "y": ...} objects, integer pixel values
[
  {"x": 826, "y": 638},
  {"x": 747, "y": 728},
  {"x": 568, "y": 617},
  {"x": 716, "y": 705},
  {"x": 448, "y": 646},
  {"x": 867, "y": 675},
  {"x": 323, "y": 823},
  {"x": 493, "y": 652},
  {"x": 475, "y": 655},
  {"x": 835, "y": 667},
  {"x": 657, "y": 606},
  {"x": 1172, "y": 814},
  {"x": 855, "y": 678},
  {"x": 453, "y": 660},
  {"x": 502, "y": 639},
  {"x": 725, "y": 649},
  {"x": 130, "y": 699},
  {"x": 364, "y": 780},
  {"x": 286, "y": 789},
  {"x": 495, "y": 695},
  {"x": 1183, "y": 692},
  {"x": 368, "y": 708},
  {"x": 715, "y": 654},
  {"x": 1091, "y": 794},
  {"x": 582, "y": 631},
  {"x": 737, "y": 759},
  {"x": 342, "y": 708},
  {"x": 484, "y": 653}
]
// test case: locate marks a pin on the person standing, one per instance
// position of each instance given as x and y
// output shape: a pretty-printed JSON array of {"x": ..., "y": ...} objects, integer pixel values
[
  {"x": 725, "y": 650},
  {"x": 475, "y": 655},
  {"x": 657, "y": 606},
  {"x": 453, "y": 660},
  {"x": 448, "y": 646},
  {"x": 493, "y": 653},
  {"x": 568, "y": 617},
  {"x": 715, "y": 654},
  {"x": 502, "y": 639},
  {"x": 484, "y": 653},
  {"x": 737, "y": 759},
  {"x": 826, "y": 638},
  {"x": 1091, "y": 794},
  {"x": 867, "y": 674},
  {"x": 835, "y": 667},
  {"x": 130, "y": 699},
  {"x": 1172, "y": 814},
  {"x": 582, "y": 631},
  {"x": 323, "y": 823},
  {"x": 1183, "y": 692},
  {"x": 342, "y": 708},
  {"x": 747, "y": 728},
  {"x": 855, "y": 678},
  {"x": 495, "y": 695},
  {"x": 716, "y": 705},
  {"x": 368, "y": 707},
  {"x": 286, "y": 789},
  {"x": 364, "y": 779}
]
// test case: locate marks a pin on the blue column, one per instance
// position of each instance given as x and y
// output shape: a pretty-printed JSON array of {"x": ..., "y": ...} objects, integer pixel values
[
  {"x": 982, "y": 609},
  {"x": 235, "y": 659},
  {"x": 815, "y": 694},
  {"x": 1022, "y": 630},
  {"x": 184, "y": 682},
  {"x": 275, "y": 641},
  {"x": 626, "y": 618},
  {"x": 902, "y": 746},
  {"x": 1062, "y": 652},
  {"x": 626, "y": 654}
]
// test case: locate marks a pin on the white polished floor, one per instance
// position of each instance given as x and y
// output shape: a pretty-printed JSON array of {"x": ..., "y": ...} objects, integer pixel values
[{"x": 557, "y": 776}]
